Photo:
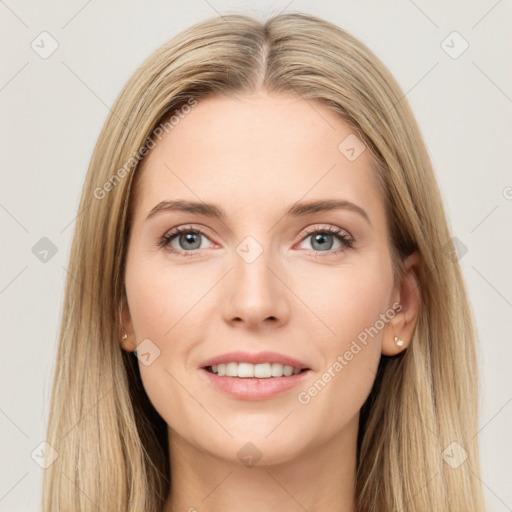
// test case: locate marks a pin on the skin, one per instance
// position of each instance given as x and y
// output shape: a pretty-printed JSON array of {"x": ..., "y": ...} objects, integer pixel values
[{"x": 256, "y": 155}]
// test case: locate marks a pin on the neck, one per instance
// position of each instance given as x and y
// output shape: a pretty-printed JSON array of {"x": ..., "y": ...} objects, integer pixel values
[{"x": 321, "y": 478}]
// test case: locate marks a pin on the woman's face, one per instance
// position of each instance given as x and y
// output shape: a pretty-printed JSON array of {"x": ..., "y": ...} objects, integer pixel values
[{"x": 258, "y": 270}]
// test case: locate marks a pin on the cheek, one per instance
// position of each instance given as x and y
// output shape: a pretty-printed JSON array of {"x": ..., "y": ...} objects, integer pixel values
[
  {"x": 167, "y": 307},
  {"x": 159, "y": 297},
  {"x": 347, "y": 300},
  {"x": 350, "y": 307}
]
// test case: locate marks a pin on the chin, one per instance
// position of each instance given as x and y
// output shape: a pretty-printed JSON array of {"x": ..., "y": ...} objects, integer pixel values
[{"x": 256, "y": 448}]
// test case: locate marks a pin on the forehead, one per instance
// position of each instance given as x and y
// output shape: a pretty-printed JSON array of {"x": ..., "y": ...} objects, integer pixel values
[{"x": 257, "y": 150}]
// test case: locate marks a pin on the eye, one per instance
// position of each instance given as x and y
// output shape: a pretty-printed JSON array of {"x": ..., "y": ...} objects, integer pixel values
[
  {"x": 324, "y": 239},
  {"x": 183, "y": 240}
]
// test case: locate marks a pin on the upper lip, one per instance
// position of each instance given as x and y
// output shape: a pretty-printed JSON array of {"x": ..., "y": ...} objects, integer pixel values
[{"x": 254, "y": 358}]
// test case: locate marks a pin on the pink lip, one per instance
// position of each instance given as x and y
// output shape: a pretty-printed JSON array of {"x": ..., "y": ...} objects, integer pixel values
[
  {"x": 254, "y": 388},
  {"x": 254, "y": 358}
]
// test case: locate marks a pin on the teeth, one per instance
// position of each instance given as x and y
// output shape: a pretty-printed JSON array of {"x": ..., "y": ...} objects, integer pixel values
[
  {"x": 260, "y": 371},
  {"x": 245, "y": 370},
  {"x": 276, "y": 370},
  {"x": 232, "y": 370},
  {"x": 287, "y": 370}
]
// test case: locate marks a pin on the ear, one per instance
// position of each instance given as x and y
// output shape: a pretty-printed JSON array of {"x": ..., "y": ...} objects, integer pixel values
[
  {"x": 407, "y": 297},
  {"x": 129, "y": 344}
]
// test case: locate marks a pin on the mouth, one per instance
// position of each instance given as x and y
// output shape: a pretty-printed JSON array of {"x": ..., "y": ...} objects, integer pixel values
[
  {"x": 245, "y": 370},
  {"x": 254, "y": 376},
  {"x": 249, "y": 382}
]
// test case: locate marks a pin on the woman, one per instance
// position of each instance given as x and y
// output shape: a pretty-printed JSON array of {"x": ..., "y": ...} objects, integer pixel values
[{"x": 261, "y": 310}]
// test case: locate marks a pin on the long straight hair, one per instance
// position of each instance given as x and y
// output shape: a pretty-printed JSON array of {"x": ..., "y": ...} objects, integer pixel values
[{"x": 111, "y": 443}]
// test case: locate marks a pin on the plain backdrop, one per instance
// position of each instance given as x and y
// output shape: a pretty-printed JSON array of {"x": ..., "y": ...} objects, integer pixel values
[{"x": 52, "y": 109}]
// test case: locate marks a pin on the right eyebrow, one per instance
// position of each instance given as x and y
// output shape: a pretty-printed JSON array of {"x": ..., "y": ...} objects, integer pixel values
[{"x": 200, "y": 208}]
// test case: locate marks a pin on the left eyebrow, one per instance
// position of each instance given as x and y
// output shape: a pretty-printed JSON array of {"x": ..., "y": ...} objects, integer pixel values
[
  {"x": 296, "y": 210},
  {"x": 306, "y": 208}
]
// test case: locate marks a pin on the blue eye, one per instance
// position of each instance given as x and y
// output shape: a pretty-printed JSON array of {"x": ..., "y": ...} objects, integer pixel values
[
  {"x": 188, "y": 239},
  {"x": 323, "y": 238}
]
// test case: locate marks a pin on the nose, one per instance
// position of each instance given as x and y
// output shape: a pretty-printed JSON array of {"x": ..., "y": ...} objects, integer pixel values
[{"x": 255, "y": 294}]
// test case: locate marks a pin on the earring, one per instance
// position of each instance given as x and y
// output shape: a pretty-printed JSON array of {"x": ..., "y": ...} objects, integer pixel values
[
  {"x": 398, "y": 341},
  {"x": 124, "y": 338}
]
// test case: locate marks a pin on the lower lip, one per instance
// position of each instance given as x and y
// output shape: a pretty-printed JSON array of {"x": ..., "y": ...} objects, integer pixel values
[{"x": 254, "y": 388}]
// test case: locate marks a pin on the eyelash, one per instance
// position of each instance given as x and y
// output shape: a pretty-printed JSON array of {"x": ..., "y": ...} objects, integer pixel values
[{"x": 346, "y": 240}]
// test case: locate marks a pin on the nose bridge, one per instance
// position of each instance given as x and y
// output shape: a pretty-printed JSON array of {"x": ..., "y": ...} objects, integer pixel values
[{"x": 255, "y": 293}]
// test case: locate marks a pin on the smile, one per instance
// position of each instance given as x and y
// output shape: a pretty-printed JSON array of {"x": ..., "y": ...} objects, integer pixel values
[{"x": 249, "y": 370}]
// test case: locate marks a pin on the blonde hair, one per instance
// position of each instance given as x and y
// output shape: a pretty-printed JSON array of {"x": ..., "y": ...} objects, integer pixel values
[{"x": 111, "y": 443}]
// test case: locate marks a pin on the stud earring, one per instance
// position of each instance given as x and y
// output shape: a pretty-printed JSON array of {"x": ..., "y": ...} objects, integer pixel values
[
  {"x": 398, "y": 341},
  {"x": 123, "y": 339}
]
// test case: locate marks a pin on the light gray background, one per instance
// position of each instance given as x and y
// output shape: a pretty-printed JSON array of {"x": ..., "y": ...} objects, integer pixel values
[{"x": 51, "y": 113}]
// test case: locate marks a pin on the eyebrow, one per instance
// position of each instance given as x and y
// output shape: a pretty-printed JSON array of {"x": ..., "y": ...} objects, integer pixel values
[{"x": 296, "y": 210}]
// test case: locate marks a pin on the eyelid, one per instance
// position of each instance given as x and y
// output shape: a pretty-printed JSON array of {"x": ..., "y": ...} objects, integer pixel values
[
  {"x": 188, "y": 227},
  {"x": 327, "y": 228}
]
